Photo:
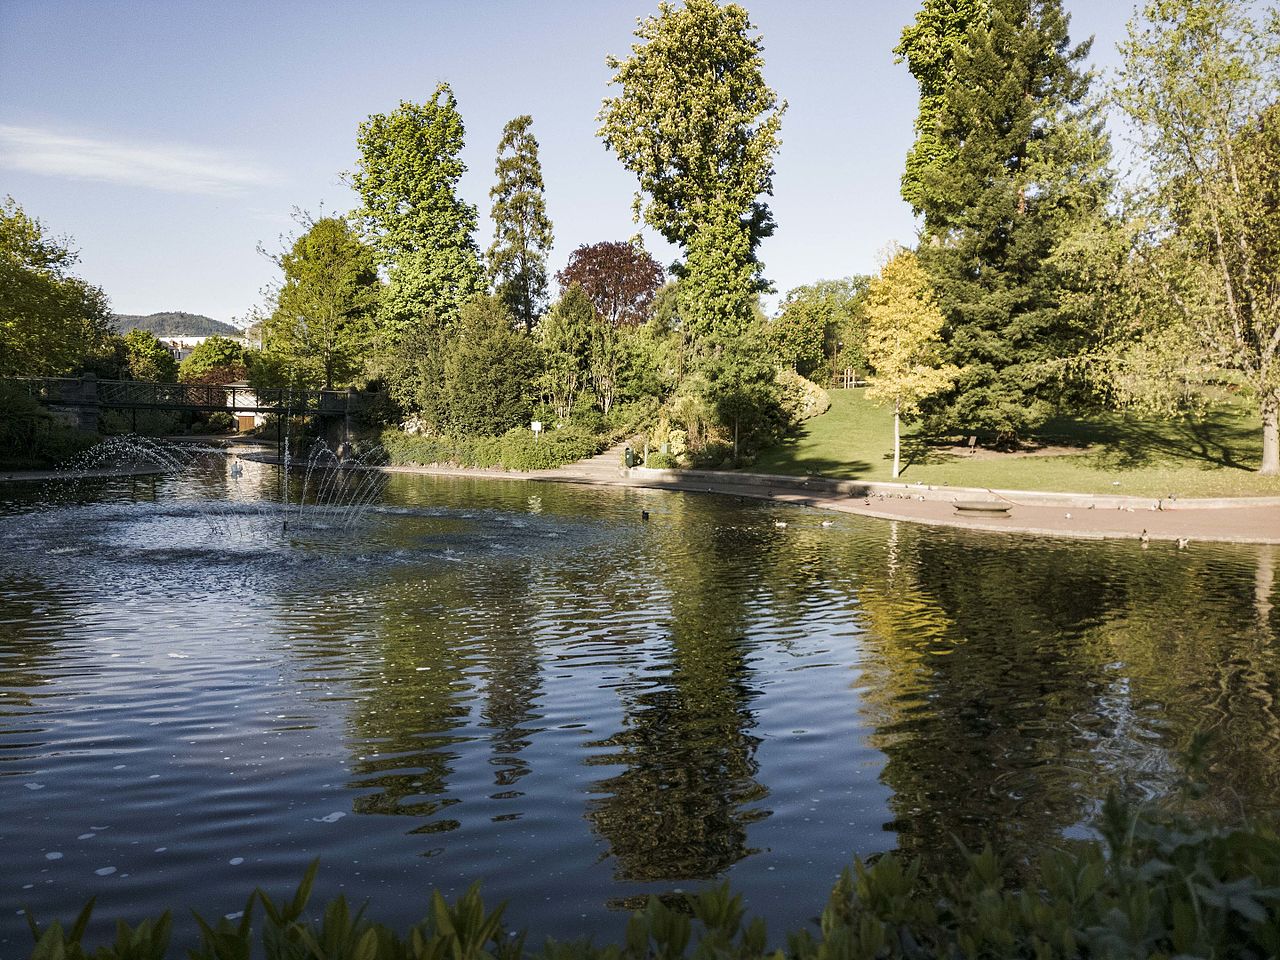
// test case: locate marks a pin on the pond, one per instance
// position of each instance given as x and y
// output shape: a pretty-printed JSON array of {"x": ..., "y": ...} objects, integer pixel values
[{"x": 530, "y": 685}]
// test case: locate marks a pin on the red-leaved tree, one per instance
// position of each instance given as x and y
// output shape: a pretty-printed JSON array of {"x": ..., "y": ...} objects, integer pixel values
[{"x": 619, "y": 278}]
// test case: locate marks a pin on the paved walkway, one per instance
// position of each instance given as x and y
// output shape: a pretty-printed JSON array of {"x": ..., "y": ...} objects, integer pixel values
[
  {"x": 127, "y": 470},
  {"x": 1231, "y": 520}
]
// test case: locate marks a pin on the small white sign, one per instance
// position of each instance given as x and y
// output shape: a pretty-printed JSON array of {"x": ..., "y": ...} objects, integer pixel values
[{"x": 536, "y": 426}]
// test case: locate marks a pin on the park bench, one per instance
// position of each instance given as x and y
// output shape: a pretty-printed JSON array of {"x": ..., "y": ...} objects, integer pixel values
[{"x": 988, "y": 508}]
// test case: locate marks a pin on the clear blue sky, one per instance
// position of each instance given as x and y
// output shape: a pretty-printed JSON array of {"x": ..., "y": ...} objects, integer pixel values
[{"x": 169, "y": 138}]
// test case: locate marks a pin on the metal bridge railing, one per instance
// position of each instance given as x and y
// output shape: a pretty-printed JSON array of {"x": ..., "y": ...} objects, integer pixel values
[{"x": 189, "y": 396}]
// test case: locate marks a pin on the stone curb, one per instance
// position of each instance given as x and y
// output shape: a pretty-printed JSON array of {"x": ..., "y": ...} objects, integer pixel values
[{"x": 920, "y": 491}]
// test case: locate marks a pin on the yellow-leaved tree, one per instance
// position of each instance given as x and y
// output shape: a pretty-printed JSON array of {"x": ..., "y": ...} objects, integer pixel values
[{"x": 904, "y": 327}]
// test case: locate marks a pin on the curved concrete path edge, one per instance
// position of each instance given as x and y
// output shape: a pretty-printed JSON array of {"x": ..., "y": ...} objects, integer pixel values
[
  {"x": 32, "y": 476},
  {"x": 1253, "y": 520}
]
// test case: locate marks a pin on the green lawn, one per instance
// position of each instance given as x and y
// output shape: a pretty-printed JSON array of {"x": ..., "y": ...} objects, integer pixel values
[{"x": 1212, "y": 455}]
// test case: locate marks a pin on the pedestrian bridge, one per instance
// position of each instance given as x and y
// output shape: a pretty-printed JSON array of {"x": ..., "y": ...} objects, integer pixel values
[{"x": 87, "y": 396}]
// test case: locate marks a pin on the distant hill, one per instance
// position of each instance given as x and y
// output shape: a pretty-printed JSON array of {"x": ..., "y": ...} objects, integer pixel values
[{"x": 176, "y": 324}]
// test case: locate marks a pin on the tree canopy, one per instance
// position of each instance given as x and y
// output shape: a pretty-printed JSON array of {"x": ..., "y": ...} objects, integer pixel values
[
  {"x": 929, "y": 47},
  {"x": 1201, "y": 82},
  {"x": 148, "y": 359},
  {"x": 407, "y": 179},
  {"x": 217, "y": 360},
  {"x": 320, "y": 332},
  {"x": 565, "y": 334},
  {"x": 821, "y": 325},
  {"x": 619, "y": 278},
  {"x": 904, "y": 342},
  {"x": 50, "y": 320},
  {"x": 698, "y": 126}
]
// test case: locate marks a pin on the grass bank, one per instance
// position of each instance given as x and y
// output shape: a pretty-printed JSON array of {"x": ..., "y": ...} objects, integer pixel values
[{"x": 1216, "y": 454}]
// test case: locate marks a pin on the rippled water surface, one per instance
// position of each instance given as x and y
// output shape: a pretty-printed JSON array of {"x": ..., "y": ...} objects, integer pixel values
[{"x": 528, "y": 685}]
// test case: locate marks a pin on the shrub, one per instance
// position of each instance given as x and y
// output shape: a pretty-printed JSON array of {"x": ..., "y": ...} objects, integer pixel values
[
  {"x": 589, "y": 419},
  {"x": 801, "y": 398},
  {"x": 404, "y": 449},
  {"x": 31, "y": 436},
  {"x": 661, "y": 461},
  {"x": 144, "y": 423},
  {"x": 716, "y": 455},
  {"x": 36, "y": 441},
  {"x": 517, "y": 449},
  {"x": 521, "y": 451},
  {"x": 303, "y": 431},
  {"x": 220, "y": 422},
  {"x": 1155, "y": 885}
]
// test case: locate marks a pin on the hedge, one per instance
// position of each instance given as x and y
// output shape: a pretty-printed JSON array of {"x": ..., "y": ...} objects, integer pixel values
[
  {"x": 1154, "y": 886},
  {"x": 31, "y": 436},
  {"x": 518, "y": 448},
  {"x": 515, "y": 450}
]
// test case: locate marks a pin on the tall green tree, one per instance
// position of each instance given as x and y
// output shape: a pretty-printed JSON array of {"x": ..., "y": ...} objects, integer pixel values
[
  {"x": 929, "y": 48},
  {"x": 50, "y": 320},
  {"x": 1023, "y": 172},
  {"x": 612, "y": 349},
  {"x": 147, "y": 359},
  {"x": 522, "y": 229},
  {"x": 407, "y": 179},
  {"x": 904, "y": 327},
  {"x": 698, "y": 126},
  {"x": 565, "y": 333},
  {"x": 320, "y": 333},
  {"x": 741, "y": 384},
  {"x": 1201, "y": 82},
  {"x": 489, "y": 369}
]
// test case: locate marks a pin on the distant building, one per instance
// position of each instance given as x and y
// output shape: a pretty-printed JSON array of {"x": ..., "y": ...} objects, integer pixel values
[
  {"x": 241, "y": 404},
  {"x": 180, "y": 347}
]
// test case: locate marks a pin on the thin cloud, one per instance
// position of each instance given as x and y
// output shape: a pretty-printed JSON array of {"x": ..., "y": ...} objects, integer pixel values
[{"x": 175, "y": 168}]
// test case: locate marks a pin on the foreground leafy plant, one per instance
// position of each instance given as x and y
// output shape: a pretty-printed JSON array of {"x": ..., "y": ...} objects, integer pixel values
[{"x": 1157, "y": 884}]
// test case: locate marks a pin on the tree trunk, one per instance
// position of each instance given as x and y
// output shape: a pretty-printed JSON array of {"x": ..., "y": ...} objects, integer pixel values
[
  {"x": 1264, "y": 582},
  {"x": 897, "y": 442},
  {"x": 1270, "y": 435}
]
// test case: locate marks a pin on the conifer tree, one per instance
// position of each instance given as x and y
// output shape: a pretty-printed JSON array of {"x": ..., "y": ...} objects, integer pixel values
[
  {"x": 1022, "y": 170},
  {"x": 487, "y": 371},
  {"x": 522, "y": 230}
]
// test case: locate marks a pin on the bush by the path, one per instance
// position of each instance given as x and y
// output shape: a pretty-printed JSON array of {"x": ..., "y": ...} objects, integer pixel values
[
  {"x": 1155, "y": 886},
  {"x": 31, "y": 436},
  {"x": 517, "y": 449}
]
